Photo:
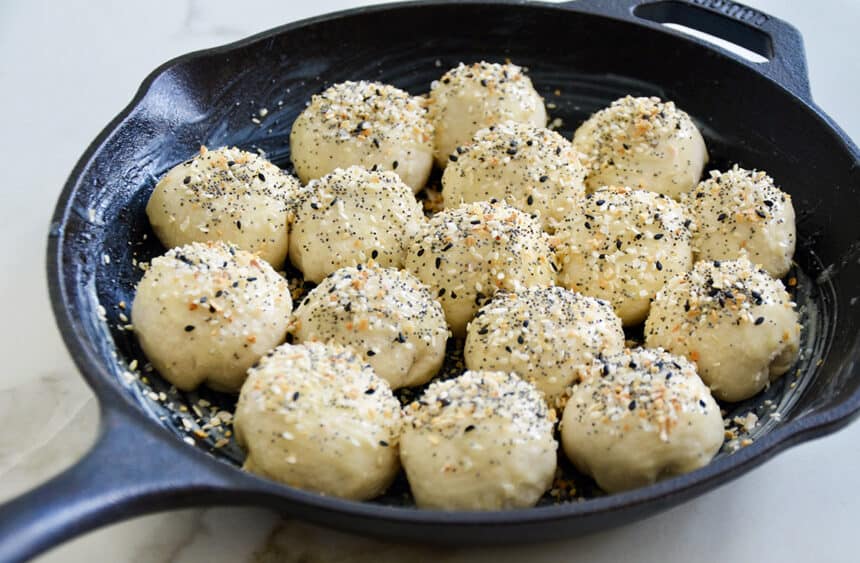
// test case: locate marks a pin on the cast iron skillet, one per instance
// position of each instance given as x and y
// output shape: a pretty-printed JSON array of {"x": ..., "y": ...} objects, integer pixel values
[{"x": 759, "y": 115}]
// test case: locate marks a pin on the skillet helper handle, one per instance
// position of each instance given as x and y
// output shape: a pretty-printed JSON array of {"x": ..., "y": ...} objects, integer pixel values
[
  {"x": 774, "y": 39},
  {"x": 131, "y": 470}
]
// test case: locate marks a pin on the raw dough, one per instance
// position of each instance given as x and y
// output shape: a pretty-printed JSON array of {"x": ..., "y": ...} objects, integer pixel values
[
  {"x": 205, "y": 312},
  {"x": 316, "y": 417},
  {"x": 481, "y": 441}
]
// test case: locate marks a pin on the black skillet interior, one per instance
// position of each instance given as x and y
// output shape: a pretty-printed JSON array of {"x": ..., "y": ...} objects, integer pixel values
[{"x": 579, "y": 61}]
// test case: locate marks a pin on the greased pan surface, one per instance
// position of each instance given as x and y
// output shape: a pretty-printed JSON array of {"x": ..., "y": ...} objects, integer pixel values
[{"x": 580, "y": 57}]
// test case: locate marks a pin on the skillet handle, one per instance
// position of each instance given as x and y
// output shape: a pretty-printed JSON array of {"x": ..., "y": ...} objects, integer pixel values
[
  {"x": 772, "y": 38},
  {"x": 131, "y": 470}
]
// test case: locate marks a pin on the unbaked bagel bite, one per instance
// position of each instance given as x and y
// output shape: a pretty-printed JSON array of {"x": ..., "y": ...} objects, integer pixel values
[
  {"x": 481, "y": 441},
  {"x": 466, "y": 254},
  {"x": 534, "y": 169},
  {"x": 352, "y": 216},
  {"x": 736, "y": 322},
  {"x": 205, "y": 312},
  {"x": 643, "y": 143},
  {"x": 743, "y": 212},
  {"x": 543, "y": 335},
  {"x": 471, "y": 97},
  {"x": 622, "y": 245},
  {"x": 363, "y": 123},
  {"x": 638, "y": 417},
  {"x": 225, "y": 194},
  {"x": 316, "y": 417},
  {"x": 385, "y": 315}
]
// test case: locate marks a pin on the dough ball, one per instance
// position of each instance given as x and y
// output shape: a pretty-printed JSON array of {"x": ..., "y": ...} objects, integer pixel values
[
  {"x": 743, "y": 211},
  {"x": 643, "y": 143},
  {"x": 316, "y": 417},
  {"x": 543, "y": 335},
  {"x": 736, "y": 322},
  {"x": 638, "y": 417},
  {"x": 225, "y": 194},
  {"x": 469, "y": 253},
  {"x": 534, "y": 169},
  {"x": 481, "y": 441},
  {"x": 385, "y": 315},
  {"x": 352, "y": 216},
  {"x": 364, "y": 123},
  {"x": 622, "y": 245},
  {"x": 205, "y": 312},
  {"x": 471, "y": 97}
]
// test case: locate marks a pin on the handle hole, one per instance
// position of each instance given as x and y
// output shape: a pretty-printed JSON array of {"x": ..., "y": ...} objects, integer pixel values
[{"x": 748, "y": 42}]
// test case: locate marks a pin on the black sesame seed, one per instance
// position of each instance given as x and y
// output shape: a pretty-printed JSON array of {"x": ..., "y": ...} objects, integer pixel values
[
  {"x": 296, "y": 396},
  {"x": 441, "y": 292},
  {"x": 600, "y": 202},
  {"x": 520, "y": 339},
  {"x": 219, "y": 293},
  {"x": 261, "y": 177},
  {"x": 400, "y": 338},
  {"x": 759, "y": 320},
  {"x": 658, "y": 236},
  {"x": 420, "y": 252},
  {"x": 374, "y": 254},
  {"x": 530, "y": 200},
  {"x": 702, "y": 403},
  {"x": 658, "y": 265},
  {"x": 760, "y": 213},
  {"x": 484, "y": 82},
  {"x": 543, "y": 179},
  {"x": 618, "y": 243},
  {"x": 469, "y": 428},
  {"x": 239, "y": 224},
  {"x": 383, "y": 443},
  {"x": 438, "y": 262},
  {"x": 370, "y": 391},
  {"x": 631, "y": 405},
  {"x": 721, "y": 217},
  {"x": 768, "y": 202},
  {"x": 717, "y": 263},
  {"x": 483, "y": 330},
  {"x": 187, "y": 180},
  {"x": 394, "y": 165},
  {"x": 452, "y": 157},
  {"x": 511, "y": 151},
  {"x": 252, "y": 279},
  {"x": 189, "y": 328},
  {"x": 371, "y": 353}
]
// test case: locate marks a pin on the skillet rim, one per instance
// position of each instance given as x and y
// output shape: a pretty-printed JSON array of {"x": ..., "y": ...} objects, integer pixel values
[{"x": 92, "y": 368}]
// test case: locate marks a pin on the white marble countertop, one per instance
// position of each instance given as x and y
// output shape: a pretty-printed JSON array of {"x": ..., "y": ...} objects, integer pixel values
[{"x": 69, "y": 67}]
